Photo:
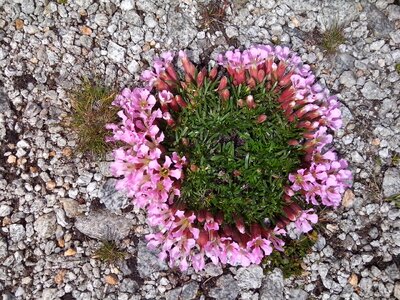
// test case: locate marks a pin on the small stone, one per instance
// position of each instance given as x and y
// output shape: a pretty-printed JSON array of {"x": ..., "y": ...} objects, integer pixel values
[
  {"x": 115, "y": 52},
  {"x": 101, "y": 20},
  {"x": 375, "y": 46},
  {"x": 298, "y": 294},
  {"x": 70, "y": 252},
  {"x": 46, "y": 225},
  {"x": 5, "y": 210},
  {"x": 348, "y": 198},
  {"x": 111, "y": 279},
  {"x": 396, "y": 292},
  {"x": 272, "y": 287},
  {"x": 391, "y": 182},
  {"x": 71, "y": 207},
  {"x": 50, "y": 185},
  {"x": 11, "y": 159},
  {"x": 67, "y": 152},
  {"x": 127, "y": 5},
  {"x": 19, "y": 24},
  {"x": 348, "y": 79},
  {"x": 250, "y": 277},
  {"x": 133, "y": 67},
  {"x": 59, "y": 278},
  {"x": 49, "y": 294},
  {"x": 17, "y": 232},
  {"x": 103, "y": 225},
  {"x": 371, "y": 91},
  {"x": 149, "y": 261},
  {"x": 86, "y": 30},
  {"x": 226, "y": 288}
]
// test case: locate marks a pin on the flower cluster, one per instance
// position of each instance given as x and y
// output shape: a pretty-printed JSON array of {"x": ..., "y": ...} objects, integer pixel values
[{"x": 152, "y": 176}]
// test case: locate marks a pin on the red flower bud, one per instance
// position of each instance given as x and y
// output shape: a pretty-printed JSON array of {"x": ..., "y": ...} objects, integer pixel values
[
  {"x": 240, "y": 224},
  {"x": 180, "y": 101},
  {"x": 171, "y": 72},
  {"x": 290, "y": 214},
  {"x": 213, "y": 73},
  {"x": 222, "y": 84},
  {"x": 261, "y": 119},
  {"x": 194, "y": 168},
  {"x": 260, "y": 75},
  {"x": 240, "y": 103},
  {"x": 203, "y": 238},
  {"x": 293, "y": 142},
  {"x": 173, "y": 105},
  {"x": 253, "y": 71},
  {"x": 224, "y": 94},
  {"x": 251, "y": 83},
  {"x": 200, "y": 77},
  {"x": 281, "y": 69},
  {"x": 250, "y": 102},
  {"x": 201, "y": 216}
]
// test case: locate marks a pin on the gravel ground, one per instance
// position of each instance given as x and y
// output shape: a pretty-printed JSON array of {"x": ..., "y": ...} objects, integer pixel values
[{"x": 55, "y": 204}]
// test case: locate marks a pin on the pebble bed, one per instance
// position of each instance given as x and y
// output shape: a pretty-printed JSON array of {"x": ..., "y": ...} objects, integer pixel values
[{"x": 56, "y": 205}]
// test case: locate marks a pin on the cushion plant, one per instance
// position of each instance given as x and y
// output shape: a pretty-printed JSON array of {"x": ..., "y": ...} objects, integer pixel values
[{"x": 223, "y": 160}]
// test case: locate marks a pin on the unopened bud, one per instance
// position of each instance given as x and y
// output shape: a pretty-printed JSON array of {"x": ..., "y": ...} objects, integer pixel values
[
  {"x": 250, "y": 102},
  {"x": 261, "y": 119},
  {"x": 240, "y": 103},
  {"x": 194, "y": 168},
  {"x": 224, "y": 94},
  {"x": 213, "y": 73}
]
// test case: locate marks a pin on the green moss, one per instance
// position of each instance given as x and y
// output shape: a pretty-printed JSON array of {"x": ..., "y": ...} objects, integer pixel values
[
  {"x": 332, "y": 38},
  {"x": 239, "y": 165},
  {"x": 109, "y": 252},
  {"x": 63, "y": 2},
  {"x": 291, "y": 259},
  {"x": 92, "y": 110},
  {"x": 397, "y": 68}
]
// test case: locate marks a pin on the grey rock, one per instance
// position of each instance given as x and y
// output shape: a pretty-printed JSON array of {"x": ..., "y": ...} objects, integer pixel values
[
  {"x": 378, "y": 22},
  {"x": 394, "y": 12},
  {"x": 344, "y": 62},
  {"x": 103, "y": 225},
  {"x": 113, "y": 200},
  {"x": 101, "y": 20},
  {"x": 28, "y": 6},
  {"x": 31, "y": 110},
  {"x": 148, "y": 261},
  {"x": 188, "y": 291},
  {"x": 226, "y": 288},
  {"x": 115, "y": 52},
  {"x": 393, "y": 272},
  {"x": 3, "y": 248},
  {"x": 71, "y": 207},
  {"x": 372, "y": 91},
  {"x": 391, "y": 182},
  {"x": 46, "y": 225},
  {"x": 49, "y": 294},
  {"x": 127, "y": 4},
  {"x": 5, "y": 210},
  {"x": 396, "y": 292},
  {"x": 272, "y": 286},
  {"x": 250, "y": 277},
  {"x": 348, "y": 79},
  {"x": 297, "y": 294},
  {"x": 84, "y": 179},
  {"x": 213, "y": 270},
  {"x": 17, "y": 232}
]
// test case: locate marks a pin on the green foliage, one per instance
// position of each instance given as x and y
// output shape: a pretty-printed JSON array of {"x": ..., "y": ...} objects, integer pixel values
[
  {"x": 395, "y": 199},
  {"x": 109, "y": 252},
  {"x": 291, "y": 259},
  {"x": 332, "y": 38},
  {"x": 238, "y": 166},
  {"x": 397, "y": 68},
  {"x": 62, "y": 2},
  {"x": 92, "y": 110}
]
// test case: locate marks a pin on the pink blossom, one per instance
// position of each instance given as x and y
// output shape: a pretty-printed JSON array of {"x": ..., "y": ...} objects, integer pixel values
[{"x": 303, "y": 222}]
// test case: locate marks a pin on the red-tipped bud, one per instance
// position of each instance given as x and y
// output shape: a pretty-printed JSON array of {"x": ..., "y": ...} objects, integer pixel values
[
  {"x": 287, "y": 95},
  {"x": 201, "y": 216},
  {"x": 224, "y": 94},
  {"x": 251, "y": 83},
  {"x": 289, "y": 213},
  {"x": 219, "y": 217},
  {"x": 203, "y": 238},
  {"x": 213, "y": 73},
  {"x": 281, "y": 69},
  {"x": 296, "y": 208},
  {"x": 189, "y": 68},
  {"x": 261, "y": 119},
  {"x": 173, "y": 105},
  {"x": 222, "y": 84},
  {"x": 293, "y": 142},
  {"x": 185, "y": 142},
  {"x": 250, "y": 102},
  {"x": 240, "y": 224},
  {"x": 170, "y": 122},
  {"x": 171, "y": 72},
  {"x": 200, "y": 77},
  {"x": 255, "y": 230},
  {"x": 161, "y": 85},
  {"x": 240, "y": 103},
  {"x": 227, "y": 230},
  {"x": 236, "y": 173},
  {"x": 180, "y": 101},
  {"x": 286, "y": 80},
  {"x": 188, "y": 78},
  {"x": 239, "y": 77},
  {"x": 184, "y": 85},
  {"x": 268, "y": 66},
  {"x": 194, "y": 168},
  {"x": 260, "y": 75},
  {"x": 253, "y": 71}
]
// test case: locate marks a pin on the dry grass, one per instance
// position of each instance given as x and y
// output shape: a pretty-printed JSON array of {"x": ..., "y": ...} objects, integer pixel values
[{"x": 109, "y": 252}]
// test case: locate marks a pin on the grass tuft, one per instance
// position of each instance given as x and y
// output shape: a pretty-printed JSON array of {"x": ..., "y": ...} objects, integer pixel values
[
  {"x": 213, "y": 14},
  {"x": 332, "y": 38},
  {"x": 92, "y": 110},
  {"x": 109, "y": 252},
  {"x": 290, "y": 260}
]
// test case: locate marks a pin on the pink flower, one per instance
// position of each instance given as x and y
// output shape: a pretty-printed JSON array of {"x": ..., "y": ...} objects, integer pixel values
[
  {"x": 302, "y": 180},
  {"x": 303, "y": 222},
  {"x": 259, "y": 247}
]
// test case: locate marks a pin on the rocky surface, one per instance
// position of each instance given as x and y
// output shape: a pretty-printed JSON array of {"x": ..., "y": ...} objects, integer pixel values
[{"x": 53, "y": 200}]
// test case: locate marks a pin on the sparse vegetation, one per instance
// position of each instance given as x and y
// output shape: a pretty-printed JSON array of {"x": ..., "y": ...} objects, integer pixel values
[
  {"x": 332, "y": 38},
  {"x": 290, "y": 260},
  {"x": 109, "y": 252},
  {"x": 92, "y": 110},
  {"x": 213, "y": 14},
  {"x": 397, "y": 68}
]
